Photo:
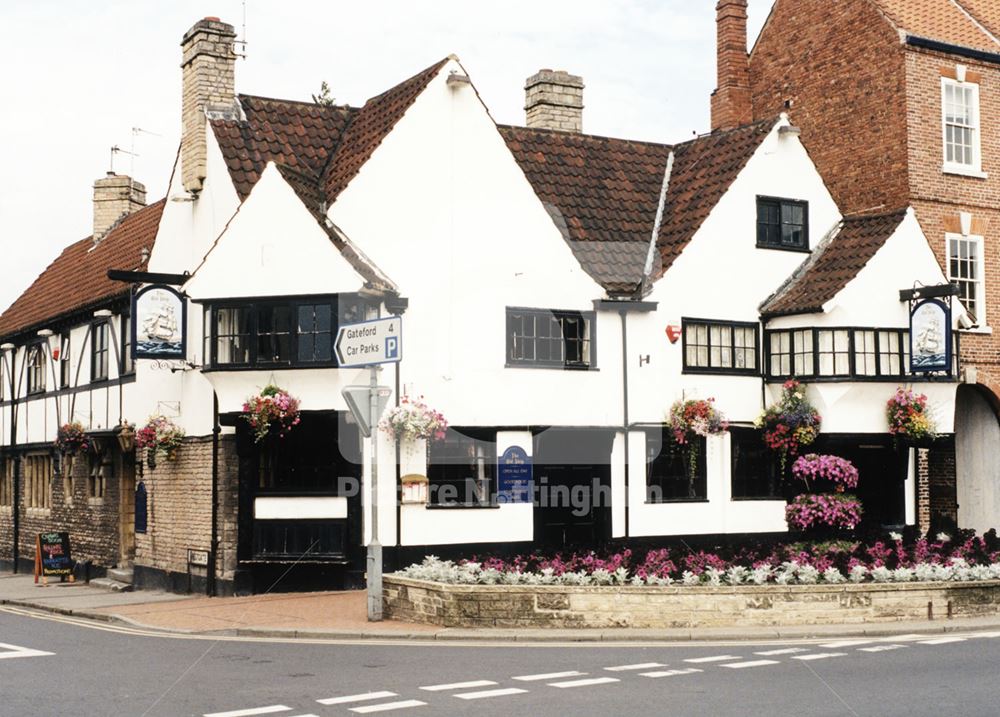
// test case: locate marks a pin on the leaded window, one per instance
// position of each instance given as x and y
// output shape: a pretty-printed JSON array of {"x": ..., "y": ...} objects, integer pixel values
[
  {"x": 99, "y": 351},
  {"x": 549, "y": 338},
  {"x": 715, "y": 346},
  {"x": 782, "y": 223}
]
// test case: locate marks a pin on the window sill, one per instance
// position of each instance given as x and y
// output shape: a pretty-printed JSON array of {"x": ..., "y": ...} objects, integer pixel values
[
  {"x": 267, "y": 367},
  {"x": 462, "y": 506},
  {"x": 551, "y": 367},
  {"x": 961, "y": 171},
  {"x": 707, "y": 370},
  {"x": 676, "y": 501},
  {"x": 34, "y": 512},
  {"x": 985, "y": 330},
  {"x": 799, "y": 249},
  {"x": 759, "y": 498}
]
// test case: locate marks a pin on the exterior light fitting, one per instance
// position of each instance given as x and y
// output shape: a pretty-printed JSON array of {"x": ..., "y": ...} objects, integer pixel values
[
  {"x": 102, "y": 314},
  {"x": 44, "y": 333}
]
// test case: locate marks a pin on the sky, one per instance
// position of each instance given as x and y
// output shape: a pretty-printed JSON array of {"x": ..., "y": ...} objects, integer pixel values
[{"x": 78, "y": 76}]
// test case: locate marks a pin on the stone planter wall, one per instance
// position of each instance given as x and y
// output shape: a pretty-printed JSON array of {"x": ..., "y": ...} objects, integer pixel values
[{"x": 665, "y": 607}]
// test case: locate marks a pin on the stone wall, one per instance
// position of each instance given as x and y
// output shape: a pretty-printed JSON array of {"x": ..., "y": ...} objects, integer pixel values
[
  {"x": 666, "y": 607},
  {"x": 179, "y": 504}
]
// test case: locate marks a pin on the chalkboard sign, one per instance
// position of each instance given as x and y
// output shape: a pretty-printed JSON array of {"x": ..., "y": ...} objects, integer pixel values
[
  {"x": 514, "y": 476},
  {"x": 53, "y": 557}
]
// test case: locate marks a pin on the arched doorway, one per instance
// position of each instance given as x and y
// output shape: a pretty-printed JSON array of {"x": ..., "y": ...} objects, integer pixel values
[{"x": 977, "y": 459}]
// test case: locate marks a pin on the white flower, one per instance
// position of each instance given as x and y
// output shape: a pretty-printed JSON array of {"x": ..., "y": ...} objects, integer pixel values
[
  {"x": 896, "y": 536},
  {"x": 858, "y": 574},
  {"x": 689, "y": 578},
  {"x": 943, "y": 537},
  {"x": 833, "y": 576},
  {"x": 881, "y": 574}
]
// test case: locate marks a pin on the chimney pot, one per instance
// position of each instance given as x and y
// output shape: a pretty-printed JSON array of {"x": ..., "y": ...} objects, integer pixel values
[
  {"x": 115, "y": 196},
  {"x": 208, "y": 63},
  {"x": 731, "y": 106},
  {"x": 554, "y": 100}
]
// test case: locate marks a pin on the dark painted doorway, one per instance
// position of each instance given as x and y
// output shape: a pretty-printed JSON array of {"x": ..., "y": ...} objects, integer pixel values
[
  {"x": 881, "y": 476},
  {"x": 573, "y": 487}
]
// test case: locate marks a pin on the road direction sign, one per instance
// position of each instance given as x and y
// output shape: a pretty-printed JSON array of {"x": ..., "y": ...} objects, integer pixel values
[{"x": 367, "y": 343}]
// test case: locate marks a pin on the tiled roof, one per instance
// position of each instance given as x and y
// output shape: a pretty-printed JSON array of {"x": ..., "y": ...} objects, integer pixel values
[
  {"x": 296, "y": 134},
  {"x": 986, "y": 12},
  {"x": 833, "y": 264},
  {"x": 307, "y": 187},
  {"x": 602, "y": 193},
  {"x": 370, "y": 126},
  {"x": 703, "y": 170},
  {"x": 942, "y": 20},
  {"x": 78, "y": 278}
]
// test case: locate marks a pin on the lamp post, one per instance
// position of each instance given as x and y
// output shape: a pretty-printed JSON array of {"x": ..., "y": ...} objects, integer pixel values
[{"x": 5, "y": 349}]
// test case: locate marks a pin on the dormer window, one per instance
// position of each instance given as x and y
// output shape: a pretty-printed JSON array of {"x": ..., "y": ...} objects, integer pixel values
[{"x": 782, "y": 224}]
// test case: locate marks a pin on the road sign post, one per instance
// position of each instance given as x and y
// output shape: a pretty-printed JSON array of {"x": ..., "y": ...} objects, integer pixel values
[{"x": 370, "y": 343}]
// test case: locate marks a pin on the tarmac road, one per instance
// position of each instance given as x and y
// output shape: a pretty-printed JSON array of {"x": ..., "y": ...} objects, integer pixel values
[{"x": 105, "y": 670}]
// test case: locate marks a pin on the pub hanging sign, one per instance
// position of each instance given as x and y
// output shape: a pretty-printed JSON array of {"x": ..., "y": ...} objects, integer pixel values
[
  {"x": 930, "y": 336},
  {"x": 159, "y": 323}
]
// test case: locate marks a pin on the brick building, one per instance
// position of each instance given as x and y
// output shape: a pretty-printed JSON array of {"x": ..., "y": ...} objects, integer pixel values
[{"x": 899, "y": 105}]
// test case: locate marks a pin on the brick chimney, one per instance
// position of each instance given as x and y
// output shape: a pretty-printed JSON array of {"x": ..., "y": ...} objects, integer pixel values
[
  {"x": 554, "y": 100},
  {"x": 115, "y": 195},
  {"x": 731, "y": 100},
  {"x": 208, "y": 87}
]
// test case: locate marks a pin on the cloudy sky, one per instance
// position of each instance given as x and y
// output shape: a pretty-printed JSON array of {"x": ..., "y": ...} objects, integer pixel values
[{"x": 78, "y": 76}]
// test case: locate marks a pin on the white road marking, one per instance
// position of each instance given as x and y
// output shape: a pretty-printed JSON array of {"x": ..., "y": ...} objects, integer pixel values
[
  {"x": 942, "y": 641},
  {"x": 716, "y": 658},
  {"x": 639, "y": 666},
  {"x": 785, "y": 651},
  {"x": 548, "y": 676},
  {"x": 902, "y": 638},
  {"x": 17, "y": 651},
  {"x": 671, "y": 673},
  {"x": 458, "y": 685},
  {"x": 819, "y": 656},
  {"x": 881, "y": 648},
  {"x": 845, "y": 643},
  {"x": 585, "y": 683},
  {"x": 751, "y": 663},
  {"x": 490, "y": 693},
  {"x": 985, "y": 634},
  {"x": 250, "y": 712},
  {"x": 386, "y": 706},
  {"x": 356, "y": 698}
]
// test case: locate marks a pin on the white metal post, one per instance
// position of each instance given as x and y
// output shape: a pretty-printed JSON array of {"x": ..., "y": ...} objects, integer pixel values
[{"x": 374, "y": 546}]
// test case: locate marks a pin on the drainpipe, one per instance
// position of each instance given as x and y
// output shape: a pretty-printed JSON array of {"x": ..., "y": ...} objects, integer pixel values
[
  {"x": 214, "y": 541},
  {"x": 623, "y": 314},
  {"x": 15, "y": 457}
]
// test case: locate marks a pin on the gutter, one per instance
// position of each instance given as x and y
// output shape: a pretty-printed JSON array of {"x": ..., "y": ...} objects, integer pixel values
[{"x": 925, "y": 43}]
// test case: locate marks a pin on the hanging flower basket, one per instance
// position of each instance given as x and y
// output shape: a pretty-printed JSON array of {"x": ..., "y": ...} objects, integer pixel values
[
  {"x": 789, "y": 424},
  {"x": 689, "y": 420},
  {"x": 159, "y": 435},
  {"x": 908, "y": 418},
  {"x": 825, "y": 470},
  {"x": 414, "y": 419},
  {"x": 72, "y": 439},
  {"x": 273, "y": 412},
  {"x": 827, "y": 510}
]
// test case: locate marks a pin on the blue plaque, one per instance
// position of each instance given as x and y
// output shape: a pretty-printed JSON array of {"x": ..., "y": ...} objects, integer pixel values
[{"x": 514, "y": 476}]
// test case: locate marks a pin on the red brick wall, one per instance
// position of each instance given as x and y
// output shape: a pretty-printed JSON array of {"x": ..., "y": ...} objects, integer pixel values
[{"x": 844, "y": 74}]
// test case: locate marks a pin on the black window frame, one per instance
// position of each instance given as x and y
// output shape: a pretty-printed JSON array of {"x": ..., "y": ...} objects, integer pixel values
[
  {"x": 687, "y": 322},
  {"x": 668, "y": 469},
  {"x": 65, "y": 359},
  {"x": 252, "y": 313},
  {"x": 780, "y": 203},
  {"x": 748, "y": 452},
  {"x": 126, "y": 363},
  {"x": 100, "y": 355},
  {"x": 589, "y": 337},
  {"x": 444, "y": 470},
  {"x": 900, "y": 354},
  {"x": 36, "y": 380}
]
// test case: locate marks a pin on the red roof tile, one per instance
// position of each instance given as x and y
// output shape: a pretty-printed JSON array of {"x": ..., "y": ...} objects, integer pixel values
[
  {"x": 78, "y": 278},
  {"x": 942, "y": 20},
  {"x": 703, "y": 170},
  {"x": 370, "y": 126},
  {"x": 833, "y": 264},
  {"x": 297, "y": 134},
  {"x": 602, "y": 193},
  {"x": 986, "y": 13}
]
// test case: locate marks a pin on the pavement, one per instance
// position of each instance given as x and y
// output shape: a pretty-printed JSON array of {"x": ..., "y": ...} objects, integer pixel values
[{"x": 343, "y": 615}]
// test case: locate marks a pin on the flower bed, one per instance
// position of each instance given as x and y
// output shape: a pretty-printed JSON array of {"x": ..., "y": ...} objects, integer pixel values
[{"x": 968, "y": 558}]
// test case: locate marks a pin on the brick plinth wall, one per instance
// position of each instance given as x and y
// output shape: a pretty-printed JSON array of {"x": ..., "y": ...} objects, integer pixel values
[
  {"x": 179, "y": 504},
  {"x": 93, "y": 523},
  {"x": 923, "y": 491},
  {"x": 672, "y": 607},
  {"x": 941, "y": 473}
]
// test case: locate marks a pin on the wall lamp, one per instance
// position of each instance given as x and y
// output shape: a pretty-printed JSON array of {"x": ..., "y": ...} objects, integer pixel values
[{"x": 102, "y": 314}]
